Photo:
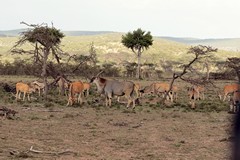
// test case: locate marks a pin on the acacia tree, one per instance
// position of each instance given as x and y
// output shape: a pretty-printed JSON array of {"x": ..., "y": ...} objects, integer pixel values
[
  {"x": 234, "y": 63},
  {"x": 46, "y": 41},
  {"x": 199, "y": 52},
  {"x": 138, "y": 41}
]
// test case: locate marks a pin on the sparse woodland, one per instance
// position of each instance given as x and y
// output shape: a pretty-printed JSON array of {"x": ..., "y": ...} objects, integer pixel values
[{"x": 184, "y": 126}]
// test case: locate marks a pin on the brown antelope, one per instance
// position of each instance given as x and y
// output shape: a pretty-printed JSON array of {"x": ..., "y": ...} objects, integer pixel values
[
  {"x": 228, "y": 89},
  {"x": 25, "y": 88},
  {"x": 76, "y": 88},
  {"x": 161, "y": 88},
  {"x": 196, "y": 92},
  {"x": 235, "y": 102}
]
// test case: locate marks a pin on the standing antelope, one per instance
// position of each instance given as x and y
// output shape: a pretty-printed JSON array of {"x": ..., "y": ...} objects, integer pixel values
[
  {"x": 38, "y": 86},
  {"x": 196, "y": 92},
  {"x": 76, "y": 88},
  {"x": 63, "y": 84},
  {"x": 25, "y": 88},
  {"x": 114, "y": 87},
  {"x": 235, "y": 102}
]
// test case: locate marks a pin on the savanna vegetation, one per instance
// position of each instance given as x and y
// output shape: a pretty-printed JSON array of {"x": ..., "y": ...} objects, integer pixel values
[{"x": 47, "y": 129}]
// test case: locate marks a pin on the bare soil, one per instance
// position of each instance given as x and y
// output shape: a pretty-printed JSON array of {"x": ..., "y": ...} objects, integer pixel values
[{"x": 99, "y": 133}]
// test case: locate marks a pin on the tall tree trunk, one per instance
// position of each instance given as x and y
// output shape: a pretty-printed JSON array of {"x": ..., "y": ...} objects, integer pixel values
[
  {"x": 44, "y": 72},
  {"x": 208, "y": 71},
  {"x": 138, "y": 75}
]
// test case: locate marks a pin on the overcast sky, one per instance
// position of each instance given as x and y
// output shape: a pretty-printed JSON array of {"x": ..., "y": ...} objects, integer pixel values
[{"x": 178, "y": 18}]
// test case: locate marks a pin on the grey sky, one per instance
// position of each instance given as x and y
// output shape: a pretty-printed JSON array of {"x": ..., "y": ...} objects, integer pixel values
[{"x": 179, "y": 18}]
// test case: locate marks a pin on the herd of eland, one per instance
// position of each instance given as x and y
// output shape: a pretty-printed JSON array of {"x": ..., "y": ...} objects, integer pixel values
[{"x": 110, "y": 88}]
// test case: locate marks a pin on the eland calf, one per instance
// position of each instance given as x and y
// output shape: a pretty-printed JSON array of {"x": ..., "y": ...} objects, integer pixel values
[
  {"x": 76, "y": 88},
  {"x": 25, "y": 88}
]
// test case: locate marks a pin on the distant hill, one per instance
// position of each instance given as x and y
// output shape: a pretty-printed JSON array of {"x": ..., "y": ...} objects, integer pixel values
[
  {"x": 13, "y": 33},
  {"x": 85, "y": 33},
  {"x": 110, "y": 50},
  {"x": 232, "y": 44}
]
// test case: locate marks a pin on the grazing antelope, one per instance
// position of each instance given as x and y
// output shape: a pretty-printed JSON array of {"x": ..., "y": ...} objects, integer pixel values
[
  {"x": 76, "y": 88},
  {"x": 228, "y": 89},
  {"x": 161, "y": 88},
  {"x": 25, "y": 88},
  {"x": 112, "y": 88}
]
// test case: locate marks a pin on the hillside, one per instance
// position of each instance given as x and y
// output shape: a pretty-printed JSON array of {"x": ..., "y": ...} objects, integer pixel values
[
  {"x": 109, "y": 49},
  {"x": 14, "y": 33},
  {"x": 230, "y": 44}
]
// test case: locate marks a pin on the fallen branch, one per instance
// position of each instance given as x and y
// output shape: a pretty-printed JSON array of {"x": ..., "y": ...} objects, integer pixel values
[{"x": 49, "y": 152}]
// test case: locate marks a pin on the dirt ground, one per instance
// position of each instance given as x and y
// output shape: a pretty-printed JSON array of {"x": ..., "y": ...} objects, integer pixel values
[
  {"x": 99, "y": 133},
  {"x": 96, "y": 132}
]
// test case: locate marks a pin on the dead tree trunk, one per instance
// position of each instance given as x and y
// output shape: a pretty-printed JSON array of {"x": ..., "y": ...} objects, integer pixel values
[
  {"x": 198, "y": 51},
  {"x": 44, "y": 72}
]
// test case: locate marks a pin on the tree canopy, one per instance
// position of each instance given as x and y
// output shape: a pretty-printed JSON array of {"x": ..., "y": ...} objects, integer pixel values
[{"x": 137, "y": 40}]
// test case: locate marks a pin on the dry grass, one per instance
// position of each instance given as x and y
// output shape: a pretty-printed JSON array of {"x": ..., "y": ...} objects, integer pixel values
[
  {"x": 92, "y": 131},
  {"x": 111, "y": 133}
]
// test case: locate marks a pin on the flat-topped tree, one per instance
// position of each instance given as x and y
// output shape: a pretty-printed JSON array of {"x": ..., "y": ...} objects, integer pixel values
[
  {"x": 46, "y": 41},
  {"x": 138, "y": 41}
]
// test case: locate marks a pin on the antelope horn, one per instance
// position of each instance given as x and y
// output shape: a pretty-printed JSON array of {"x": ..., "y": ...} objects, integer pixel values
[{"x": 99, "y": 73}]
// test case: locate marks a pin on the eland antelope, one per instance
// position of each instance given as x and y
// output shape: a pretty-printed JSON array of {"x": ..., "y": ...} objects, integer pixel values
[
  {"x": 38, "y": 86},
  {"x": 76, "y": 88},
  {"x": 112, "y": 88},
  {"x": 228, "y": 89},
  {"x": 235, "y": 102},
  {"x": 25, "y": 88},
  {"x": 161, "y": 88}
]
